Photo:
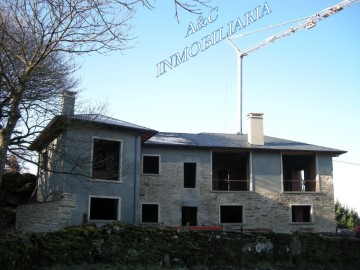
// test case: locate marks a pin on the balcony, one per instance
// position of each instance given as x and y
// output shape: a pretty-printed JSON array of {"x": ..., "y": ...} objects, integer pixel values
[
  {"x": 300, "y": 186},
  {"x": 230, "y": 185}
]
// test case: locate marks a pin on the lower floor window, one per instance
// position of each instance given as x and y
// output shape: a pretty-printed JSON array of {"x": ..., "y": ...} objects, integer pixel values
[
  {"x": 301, "y": 213},
  {"x": 231, "y": 214},
  {"x": 189, "y": 216},
  {"x": 150, "y": 213},
  {"x": 104, "y": 208}
]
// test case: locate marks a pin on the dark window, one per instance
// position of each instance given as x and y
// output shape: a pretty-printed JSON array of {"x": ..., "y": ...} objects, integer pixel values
[
  {"x": 301, "y": 213},
  {"x": 189, "y": 216},
  {"x": 106, "y": 159},
  {"x": 189, "y": 175},
  {"x": 230, "y": 171},
  {"x": 104, "y": 209},
  {"x": 151, "y": 164},
  {"x": 44, "y": 160},
  {"x": 299, "y": 172},
  {"x": 231, "y": 214},
  {"x": 150, "y": 213}
]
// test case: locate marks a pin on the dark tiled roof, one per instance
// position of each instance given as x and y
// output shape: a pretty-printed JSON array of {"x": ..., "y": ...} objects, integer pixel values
[
  {"x": 235, "y": 141},
  {"x": 106, "y": 120},
  {"x": 61, "y": 122}
]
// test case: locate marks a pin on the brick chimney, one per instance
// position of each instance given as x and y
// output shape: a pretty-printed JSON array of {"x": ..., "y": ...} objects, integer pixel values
[
  {"x": 68, "y": 103},
  {"x": 255, "y": 127}
]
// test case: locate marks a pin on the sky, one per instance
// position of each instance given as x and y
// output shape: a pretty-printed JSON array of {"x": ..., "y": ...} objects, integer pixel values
[{"x": 307, "y": 84}]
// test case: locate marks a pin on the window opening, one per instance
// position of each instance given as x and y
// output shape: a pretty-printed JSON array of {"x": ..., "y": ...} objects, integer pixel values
[
  {"x": 301, "y": 213},
  {"x": 230, "y": 171},
  {"x": 231, "y": 214},
  {"x": 189, "y": 175},
  {"x": 189, "y": 216},
  {"x": 104, "y": 209},
  {"x": 299, "y": 173},
  {"x": 151, "y": 164},
  {"x": 106, "y": 159},
  {"x": 150, "y": 213},
  {"x": 44, "y": 160}
]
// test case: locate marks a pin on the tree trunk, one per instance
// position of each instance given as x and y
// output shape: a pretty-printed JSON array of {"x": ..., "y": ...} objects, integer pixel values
[
  {"x": 5, "y": 133},
  {"x": 3, "y": 153}
]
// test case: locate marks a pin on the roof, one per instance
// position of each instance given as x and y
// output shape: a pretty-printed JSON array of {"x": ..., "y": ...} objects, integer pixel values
[
  {"x": 234, "y": 141},
  {"x": 168, "y": 139},
  {"x": 61, "y": 122},
  {"x": 106, "y": 120}
]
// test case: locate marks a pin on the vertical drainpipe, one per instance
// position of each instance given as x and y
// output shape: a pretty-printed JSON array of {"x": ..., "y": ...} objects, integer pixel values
[{"x": 135, "y": 177}]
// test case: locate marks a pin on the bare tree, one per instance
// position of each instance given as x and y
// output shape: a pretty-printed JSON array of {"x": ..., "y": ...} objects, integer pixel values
[{"x": 38, "y": 42}]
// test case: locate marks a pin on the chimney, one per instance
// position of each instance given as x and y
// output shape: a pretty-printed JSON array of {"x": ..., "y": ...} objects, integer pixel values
[
  {"x": 256, "y": 130},
  {"x": 68, "y": 103}
]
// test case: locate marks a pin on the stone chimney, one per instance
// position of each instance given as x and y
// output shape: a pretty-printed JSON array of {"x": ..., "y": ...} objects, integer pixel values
[
  {"x": 68, "y": 103},
  {"x": 255, "y": 127}
]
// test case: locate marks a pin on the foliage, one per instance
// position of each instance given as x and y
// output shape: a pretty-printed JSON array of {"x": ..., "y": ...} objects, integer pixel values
[
  {"x": 124, "y": 246},
  {"x": 346, "y": 218},
  {"x": 17, "y": 189}
]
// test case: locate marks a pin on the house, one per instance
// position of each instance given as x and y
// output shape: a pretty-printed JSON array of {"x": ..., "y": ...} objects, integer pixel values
[{"x": 99, "y": 169}]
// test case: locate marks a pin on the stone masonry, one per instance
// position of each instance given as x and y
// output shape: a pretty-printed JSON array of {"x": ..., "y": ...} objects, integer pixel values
[
  {"x": 47, "y": 216},
  {"x": 267, "y": 210}
]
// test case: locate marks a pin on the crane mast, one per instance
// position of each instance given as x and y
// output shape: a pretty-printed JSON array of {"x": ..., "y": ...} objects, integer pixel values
[{"x": 306, "y": 23}]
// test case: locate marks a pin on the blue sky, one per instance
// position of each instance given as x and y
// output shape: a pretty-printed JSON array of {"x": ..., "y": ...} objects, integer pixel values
[{"x": 307, "y": 85}]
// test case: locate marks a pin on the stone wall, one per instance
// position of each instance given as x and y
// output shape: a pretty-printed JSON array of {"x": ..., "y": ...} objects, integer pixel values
[
  {"x": 46, "y": 216},
  {"x": 261, "y": 210},
  {"x": 122, "y": 246}
]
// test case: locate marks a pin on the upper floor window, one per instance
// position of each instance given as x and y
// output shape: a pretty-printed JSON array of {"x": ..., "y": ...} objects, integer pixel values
[
  {"x": 44, "y": 159},
  {"x": 151, "y": 164},
  {"x": 106, "y": 159},
  {"x": 189, "y": 175},
  {"x": 299, "y": 173},
  {"x": 230, "y": 171}
]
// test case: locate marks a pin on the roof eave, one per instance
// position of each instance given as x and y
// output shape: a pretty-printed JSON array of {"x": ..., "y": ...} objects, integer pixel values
[{"x": 60, "y": 122}]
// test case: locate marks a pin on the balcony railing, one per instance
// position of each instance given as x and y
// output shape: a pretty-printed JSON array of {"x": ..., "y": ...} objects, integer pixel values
[
  {"x": 300, "y": 185},
  {"x": 230, "y": 185}
]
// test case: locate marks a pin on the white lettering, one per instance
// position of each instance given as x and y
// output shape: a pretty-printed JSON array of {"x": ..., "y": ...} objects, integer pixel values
[
  {"x": 212, "y": 39},
  {"x": 207, "y": 43},
  {"x": 202, "y": 22},
  {"x": 191, "y": 54},
  {"x": 179, "y": 60},
  {"x": 190, "y": 28},
  {"x": 230, "y": 30},
  {"x": 249, "y": 17},
  {"x": 265, "y": 8},
  {"x": 214, "y": 34},
  {"x": 211, "y": 20},
  {"x": 257, "y": 12},
  {"x": 161, "y": 67},
  {"x": 238, "y": 25}
]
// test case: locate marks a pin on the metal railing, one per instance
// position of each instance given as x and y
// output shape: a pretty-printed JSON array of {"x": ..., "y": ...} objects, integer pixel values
[
  {"x": 300, "y": 185},
  {"x": 230, "y": 185}
]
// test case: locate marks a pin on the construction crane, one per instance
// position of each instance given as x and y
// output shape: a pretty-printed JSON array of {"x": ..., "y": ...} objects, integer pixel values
[{"x": 305, "y": 23}]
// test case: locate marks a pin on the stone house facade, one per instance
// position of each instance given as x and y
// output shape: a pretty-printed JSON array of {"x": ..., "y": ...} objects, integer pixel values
[{"x": 114, "y": 170}]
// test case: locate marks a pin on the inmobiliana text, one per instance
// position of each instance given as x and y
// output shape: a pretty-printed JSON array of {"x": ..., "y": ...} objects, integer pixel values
[{"x": 214, "y": 38}]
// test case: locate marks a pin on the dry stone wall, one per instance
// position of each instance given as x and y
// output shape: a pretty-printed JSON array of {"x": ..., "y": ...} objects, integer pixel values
[
  {"x": 47, "y": 216},
  {"x": 123, "y": 246}
]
